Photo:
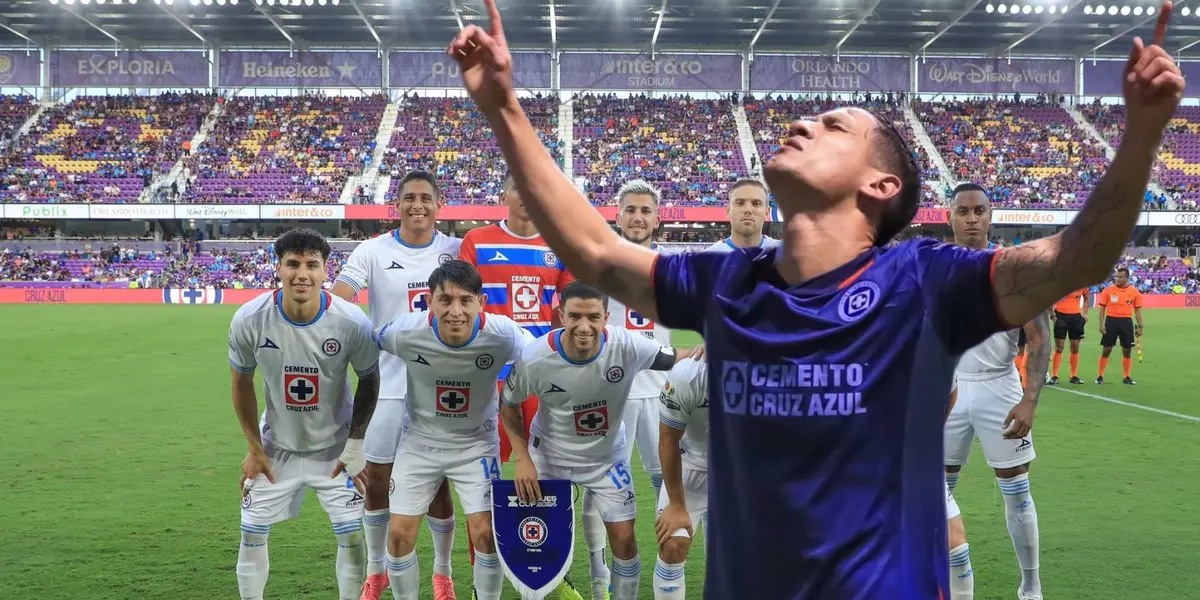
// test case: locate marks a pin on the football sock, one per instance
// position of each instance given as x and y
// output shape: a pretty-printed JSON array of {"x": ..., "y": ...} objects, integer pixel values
[
  {"x": 1055, "y": 364},
  {"x": 350, "y": 559},
  {"x": 962, "y": 578},
  {"x": 626, "y": 575},
  {"x": 668, "y": 581},
  {"x": 595, "y": 535},
  {"x": 375, "y": 528},
  {"x": 1102, "y": 366},
  {"x": 1074, "y": 361},
  {"x": 1127, "y": 366},
  {"x": 489, "y": 577},
  {"x": 253, "y": 564},
  {"x": 952, "y": 480},
  {"x": 1021, "y": 516},
  {"x": 656, "y": 483},
  {"x": 404, "y": 574},
  {"x": 442, "y": 531}
]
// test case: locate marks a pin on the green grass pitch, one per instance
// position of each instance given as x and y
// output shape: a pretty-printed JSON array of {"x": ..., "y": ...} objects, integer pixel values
[{"x": 123, "y": 453}]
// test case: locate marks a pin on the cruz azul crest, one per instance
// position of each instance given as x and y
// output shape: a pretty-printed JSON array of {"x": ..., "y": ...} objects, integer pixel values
[{"x": 535, "y": 541}]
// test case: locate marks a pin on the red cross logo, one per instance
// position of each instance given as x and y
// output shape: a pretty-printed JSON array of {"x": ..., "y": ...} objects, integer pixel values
[{"x": 525, "y": 297}]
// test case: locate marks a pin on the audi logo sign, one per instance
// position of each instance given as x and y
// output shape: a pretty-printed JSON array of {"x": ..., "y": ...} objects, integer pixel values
[
  {"x": 1172, "y": 219},
  {"x": 1187, "y": 219}
]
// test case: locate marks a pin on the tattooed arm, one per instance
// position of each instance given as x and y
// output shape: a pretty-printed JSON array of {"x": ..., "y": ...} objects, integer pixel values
[
  {"x": 1037, "y": 363},
  {"x": 365, "y": 397}
]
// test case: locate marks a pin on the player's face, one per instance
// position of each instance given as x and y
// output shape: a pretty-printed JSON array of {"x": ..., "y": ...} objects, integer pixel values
[
  {"x": 516, "y": 208},
  {"x": 418, "y": 205},
  {"x": 747, "y": 210},
  {"x": 638, "y": 217},
  {"x": 829, "y": 160},
  {"x": 1121, "y": 279},
  {"x": 455, "y": 309},
  {"x": 971, "y": 218},
  {"x": 583, "y": 322},
  {"x": 302, "y": 275}
]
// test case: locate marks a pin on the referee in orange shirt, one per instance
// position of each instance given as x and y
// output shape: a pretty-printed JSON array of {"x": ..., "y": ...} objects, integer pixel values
[
  {"x": 1070, "y": 321},
  {"x": 1120, "y": 303}
]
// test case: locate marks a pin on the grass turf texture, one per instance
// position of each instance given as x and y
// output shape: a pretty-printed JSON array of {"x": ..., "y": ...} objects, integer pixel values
[{"x": 124, "y": 452}]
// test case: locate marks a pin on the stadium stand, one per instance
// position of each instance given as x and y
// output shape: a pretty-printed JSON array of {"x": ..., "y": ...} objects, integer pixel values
[
  {"x": 449, "y": 138},
  {"x": 14, "y": 111},
  {"x": 686, "y": 147},
  {"x": 283, "y": 150},
  {"x": 1178, "y": 169},
  {"x": 1030, "y": 153},
  {"x": 100, "y": 148}
]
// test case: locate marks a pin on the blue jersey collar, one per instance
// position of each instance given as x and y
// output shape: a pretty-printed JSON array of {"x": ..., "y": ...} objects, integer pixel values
[
  {"x": 474, "y": 333},
  {"x": 765, "y": 270},
  {"x": 399, "y": 240},
  {"x": 279, "y": 305}
]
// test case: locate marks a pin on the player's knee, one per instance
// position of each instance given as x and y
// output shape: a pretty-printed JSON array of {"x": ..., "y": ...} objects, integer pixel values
[
  {"x": 675, "y": 550},
  {"x": 958, "y": 532},
  {"x": 953, "y": 468},
  {"x": 1010, "y": 472},
  {"x": 254, "y": 535},
  {"x": 402, "y": 534},
  {"x": 481, "y": 536},
  {"x": 622, "y": 540}
]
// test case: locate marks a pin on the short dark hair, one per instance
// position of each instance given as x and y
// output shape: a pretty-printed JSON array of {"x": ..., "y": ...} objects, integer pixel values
[
  {"x": 969, "y": 187},
  {"x": 747, "y": 181},
  {"x": 897, "y": 159},
  {"x": 302, "y": 241},
  {"x": 583, "y": 291},
  {"x": 1124, "y": 270},
  {"x": 460, "y": 273},
  {"x": 420, "y": 175}
]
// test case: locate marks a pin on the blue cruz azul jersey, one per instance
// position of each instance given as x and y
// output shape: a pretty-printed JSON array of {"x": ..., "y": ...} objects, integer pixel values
[{"x": 825, "y": 472}]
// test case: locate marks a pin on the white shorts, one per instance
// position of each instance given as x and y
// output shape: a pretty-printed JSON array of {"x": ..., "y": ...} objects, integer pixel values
[
  {"x": 695, "y": 494},
  {"x": 610, "y": 486},
  {"x": 641, "y": 427},
  {"x": 295, "y": 472},
  {"x": 982, "y": 407},
  {"x": 383, "y": 432},
  {"x": 951, "y": 505},
  {"x": 419, "y": 470}
]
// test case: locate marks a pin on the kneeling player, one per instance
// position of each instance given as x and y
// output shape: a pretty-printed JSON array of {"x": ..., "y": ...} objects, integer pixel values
[
  {"x": 453, "y": 356},
  {"x": 303, "y": 340},
  {"x": 683, "y": 449},
  {"x": 582, "y": 374}
]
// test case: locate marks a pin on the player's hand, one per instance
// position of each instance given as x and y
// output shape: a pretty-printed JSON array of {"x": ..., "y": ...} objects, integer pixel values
[
  {"x": 1102, "y": 328},
  {"x": 1021, "y": 420},
  {"x": 1153, "y": 84},
  {"x": 696, "y": 353},
  {"x": 526, "y": 478},
  {"x": 673, "y": 518},
  {"x": 485, "y": 62},
  {"x": 1137, "y": 330},
  {"x": 255, "y": 464}
]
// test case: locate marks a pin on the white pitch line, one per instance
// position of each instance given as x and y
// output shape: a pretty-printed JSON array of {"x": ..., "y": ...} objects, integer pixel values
[{"x": 1123, "y": 403}]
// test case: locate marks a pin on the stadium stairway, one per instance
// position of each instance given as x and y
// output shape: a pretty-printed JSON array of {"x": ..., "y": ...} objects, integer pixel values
[
  {"x": 746, "y": 140},
  {"x": 164, "y": 181},
  {"x": 37, "y": 114},
  {"x": 370, "y": 175},
  {"x": 1109, "y": 151},
  {"x": 566, "y": 135},
  {"x": 930, "y": 149}
]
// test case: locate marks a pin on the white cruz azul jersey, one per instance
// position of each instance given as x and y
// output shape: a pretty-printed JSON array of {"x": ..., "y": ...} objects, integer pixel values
[
  {"x": 578, "y": 422},
  {"x": 684, "y": 400},
  {"x": 304, "y": 367},
  {"x": 452, "y": 389},
  {"x": 726, "y": 245},
  {"x": 993, "y": 355},
  {"x": 397, "y": 275},
  {"x": 646, "y": 384}
]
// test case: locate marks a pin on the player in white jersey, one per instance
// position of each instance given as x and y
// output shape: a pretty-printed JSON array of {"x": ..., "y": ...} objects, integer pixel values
[
  {"x": 993, "y": 407},
  {"x": 683, "y": 503},
  {"x": 303, "y": 340},
  {"x": 962, "y": 577},
  {"x": 582, "y": 374},
  {"x": 395, "y": 267},
  {"x": 453, "y": 355},
  {"x": 747, "y": 211}
]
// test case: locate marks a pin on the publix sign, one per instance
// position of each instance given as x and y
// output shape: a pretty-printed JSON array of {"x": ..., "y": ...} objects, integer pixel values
[{"x": 45, "y": 211}]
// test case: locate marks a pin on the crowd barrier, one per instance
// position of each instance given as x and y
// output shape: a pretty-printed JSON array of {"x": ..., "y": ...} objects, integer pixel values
[{"x": 238, "y": 297}]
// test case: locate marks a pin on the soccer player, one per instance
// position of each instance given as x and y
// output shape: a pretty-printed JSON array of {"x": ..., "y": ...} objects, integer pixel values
[
  {"x": 637, "y": 216},
  {"x": 1070, "y": 317},
  {"x": 831, "y": 356},
  {"x": 1119, "y": 304},
  {"x": 453, "y": 357},
  {"x": 962, "y": 577},
  {"x": 520, "y": 279},
  {"x": 747, "y": 211},
  {"x": 303, "y": 340},
  {"x": 992, "y": 404},
  {"x": 395, "y": 267},
  {"x": 582, "y": 374},
  {"x": 683, "y": 446}
]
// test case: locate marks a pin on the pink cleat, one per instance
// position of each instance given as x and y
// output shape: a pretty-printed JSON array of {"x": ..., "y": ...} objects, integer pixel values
[
  {"x": 374, "y": 586},
  {"x": 443, "y": 587}
]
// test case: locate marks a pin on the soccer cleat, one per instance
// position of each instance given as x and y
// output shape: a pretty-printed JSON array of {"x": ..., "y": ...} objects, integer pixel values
[
  {"x": 443, "y": 587},
  {"x": 1053, "y": 380},
  {"x": 565, "y": 591},
  {"x": 1023, "y": 595},
  {"x": 374, "y": 587},
  {"x": 1128, "y": 381},
  {"x": 1100, "y": 379},
  {"x": 601, "y": 590},
  {"x": 1076, "y": 381}
]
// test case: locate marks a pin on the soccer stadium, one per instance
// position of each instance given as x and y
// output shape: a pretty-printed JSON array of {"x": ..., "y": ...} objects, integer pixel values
[{"x": 152, "y": 151}]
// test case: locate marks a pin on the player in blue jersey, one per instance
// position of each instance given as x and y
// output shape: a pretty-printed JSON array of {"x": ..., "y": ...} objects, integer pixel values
[{"x": 830, "y": 358}]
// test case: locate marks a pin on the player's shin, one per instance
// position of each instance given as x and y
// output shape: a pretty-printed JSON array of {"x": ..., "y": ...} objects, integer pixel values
[
  {"x": 626, "y": 564},
  {"x": 1021, "y": 517},
  {"x": 375, "y": 521},
  {"x": 595, "y": 534},
  {"x": 962, "y": 577},
  {"x": 351, "y": 559},
  {"x": 253, "y": 564},
  {"x": 668, "y": 569},
  {"x": 489, "y": 576},
  {"x": 401, "y": 560},
  {"x": 441, "y": 526}
]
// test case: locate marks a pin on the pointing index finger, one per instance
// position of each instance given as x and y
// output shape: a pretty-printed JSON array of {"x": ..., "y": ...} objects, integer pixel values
[
  {"x": 497, "y": 27},
  {"x": 1160, "y": 28}
]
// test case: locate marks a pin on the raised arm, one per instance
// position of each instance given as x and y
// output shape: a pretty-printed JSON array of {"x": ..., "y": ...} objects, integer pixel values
[
  {"x": 576, "y": 232},
  {"x": 1031, "y": 277}
]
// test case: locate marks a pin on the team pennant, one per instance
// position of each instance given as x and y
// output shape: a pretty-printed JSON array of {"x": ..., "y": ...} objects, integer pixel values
[{"x": 535, "y": 541}]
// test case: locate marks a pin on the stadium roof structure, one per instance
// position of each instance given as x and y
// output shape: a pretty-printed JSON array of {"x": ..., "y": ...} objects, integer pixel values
[{"x": 996, "y": 27}]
